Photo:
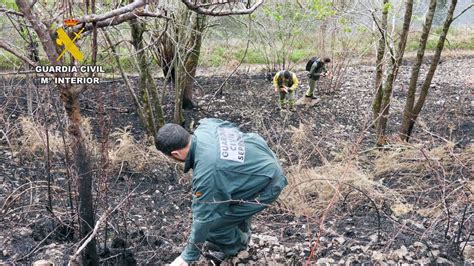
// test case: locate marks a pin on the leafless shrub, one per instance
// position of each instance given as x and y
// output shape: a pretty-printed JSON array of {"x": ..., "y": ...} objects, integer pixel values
[
  {"x": 402, "y": 182},
  {"x": 311, "y": 189},
  {"x": 436, "y": 184}
]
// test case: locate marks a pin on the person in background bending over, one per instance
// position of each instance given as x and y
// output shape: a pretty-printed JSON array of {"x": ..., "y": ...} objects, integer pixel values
[
  {"x": 317, "y": 68},
  {"x": 235, "y": 176},
  {"x": 285, "y": 83}
]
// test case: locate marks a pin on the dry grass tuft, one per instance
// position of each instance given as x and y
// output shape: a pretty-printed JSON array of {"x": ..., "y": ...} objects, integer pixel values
[
  {"x": 33, "y": 138},
  {"x": 125, "y": 151},
  {"x": 137, "y": 156},
  {"x": 310, "y": 190},
  {"x": 418, "y": 172},
  {"x": 401, "y": 209},
  {"x": 299, "y": 135},
  {"x": 419, "y": 160},
  {"x": 400, "y": 158}
]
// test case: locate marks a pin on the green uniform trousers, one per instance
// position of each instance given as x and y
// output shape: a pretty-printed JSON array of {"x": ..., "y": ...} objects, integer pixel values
[
  {"x": 312, "y": 86},
  {"x": 232, "y": 233},
  {"x": 291, "y": 98}
]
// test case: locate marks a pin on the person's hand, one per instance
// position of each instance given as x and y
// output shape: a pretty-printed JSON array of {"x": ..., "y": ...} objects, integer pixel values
[
  {"x": 285, "y": 89},
  {"x": 179, "y": 262},
  {"x": 276, "y": 89}
]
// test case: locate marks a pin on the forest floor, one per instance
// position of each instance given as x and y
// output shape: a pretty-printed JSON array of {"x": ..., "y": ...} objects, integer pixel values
[{"x": 346, "y": 202}]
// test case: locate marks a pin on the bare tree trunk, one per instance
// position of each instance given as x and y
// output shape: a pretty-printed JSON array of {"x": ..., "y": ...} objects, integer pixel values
[
  {"x": 407, "y": 115},
  {"x": 187, "y": 55},
  {"x": 137, "y": 30},
  {"x": 40, "y": 29},
  {"x": 192, "y": 60},
  {"x": 379, "y": 61},
  {"x": 396, "y": 60},
  {"x": 150, "y": 100},
  {"x": 29, "y": 92},
  {"x": 78, "y": 143},
  {"x": 136, "y": 101},
  {"x": 33, "y": 54},
  {"x": 166, "y": 51},
  {"x": 411, "y": 113},
  {"x": 84, "y": 171}
]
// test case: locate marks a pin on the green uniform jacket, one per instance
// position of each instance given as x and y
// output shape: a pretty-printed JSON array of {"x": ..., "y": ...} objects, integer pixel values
[
  {"x": 228, "y": 166},
  {"x": 317, "y": 68}
]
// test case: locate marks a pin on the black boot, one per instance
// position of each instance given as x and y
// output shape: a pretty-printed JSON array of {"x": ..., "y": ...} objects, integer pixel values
[
  {"x": 213, "y": 252},
  {"x": 217, "y": 257}
]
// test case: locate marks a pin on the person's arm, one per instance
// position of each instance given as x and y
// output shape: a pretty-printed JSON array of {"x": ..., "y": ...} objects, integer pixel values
[
  {"x": 325, "y": 68},
  {"x": 275, "y": 81},
  {"x": 295, "y": 82},
  {"x": 208, "y": 203}
]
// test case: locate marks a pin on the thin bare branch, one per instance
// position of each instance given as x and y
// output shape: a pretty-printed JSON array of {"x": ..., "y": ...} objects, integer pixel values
[
  {"x": 40, "y": 29},
  {"x": 462, "y": 12},
  {"x": 96, "y": 228},
  {"x": 15, "y": 52},
  {"x": 201, "y": 8},
  {"x": 120, "y": 19},
  {"x": 113, "y": 13},
  {"x": 9, "y": 11}
]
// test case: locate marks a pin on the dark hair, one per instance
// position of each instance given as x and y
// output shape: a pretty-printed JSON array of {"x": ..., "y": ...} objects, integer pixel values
[
  {"x": 287, "y": 74},
  {"x": 326, "y": 60},
  {"x": 171, "y": 137}
]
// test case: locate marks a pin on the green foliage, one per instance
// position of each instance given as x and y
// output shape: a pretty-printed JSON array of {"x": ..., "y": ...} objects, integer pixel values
[
  {"x": 299, "y": 55},
  {"x": 279, "y": 31},
  {"x": 252, "y": 56},
  {"x": 9, "y": 4},
  {"x": 216, "y": 57},
  {"x": 387, "y": 7},
  {"x": 456, "y": 39},
  {"x": 437, "y": 30},
  {"x": 273, "y": 13},
  {"x": 459, "y": 39},
  {"x": 280, "y": 12},
  {"x": 323, "y": 8},
  {"x": 8, "y": 61},
  {"x": 361, "y": 29}
]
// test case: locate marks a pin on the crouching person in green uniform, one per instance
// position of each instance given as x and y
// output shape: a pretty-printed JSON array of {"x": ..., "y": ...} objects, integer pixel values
[
  {"x": 235, "y": 176},
  {"x": 285, "y": 83},
  {"x": 317, "y": 68}
]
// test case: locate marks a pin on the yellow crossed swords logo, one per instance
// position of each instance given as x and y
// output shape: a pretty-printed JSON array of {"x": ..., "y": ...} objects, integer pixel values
[{"x": 63, "y": 39}]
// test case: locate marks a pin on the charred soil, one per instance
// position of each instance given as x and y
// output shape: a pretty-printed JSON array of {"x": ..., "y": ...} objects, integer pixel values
[{"x": 425, "y": 217}]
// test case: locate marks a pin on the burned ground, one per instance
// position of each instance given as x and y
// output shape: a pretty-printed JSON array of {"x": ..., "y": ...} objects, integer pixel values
[{"x": 396, "y": 219}]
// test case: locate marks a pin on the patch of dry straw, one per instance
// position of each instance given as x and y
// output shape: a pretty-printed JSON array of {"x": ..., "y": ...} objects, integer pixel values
[
  {"x": 126, "y": 150},
  {"x": 137, "y": 156},
  {"x": 33, "y": 138},
  {"x": 310, "y": 190}
]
